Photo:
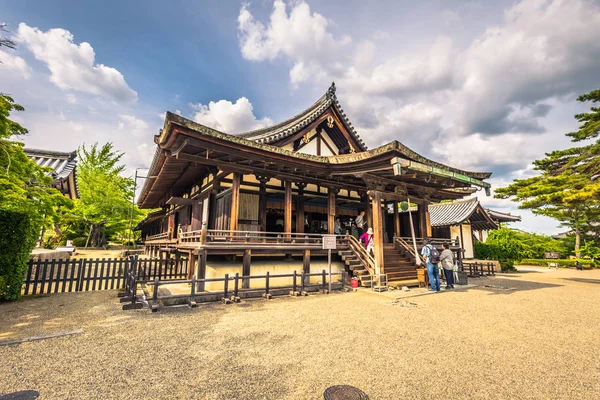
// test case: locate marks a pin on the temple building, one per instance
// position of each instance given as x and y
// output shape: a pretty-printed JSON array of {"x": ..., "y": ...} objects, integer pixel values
[
  {"x": 64, "y": 169},
  {"x": 275, "y": 191}
]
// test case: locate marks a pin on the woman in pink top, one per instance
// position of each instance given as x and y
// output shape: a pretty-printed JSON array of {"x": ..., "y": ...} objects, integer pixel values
[{"x": 367, "y": 238}]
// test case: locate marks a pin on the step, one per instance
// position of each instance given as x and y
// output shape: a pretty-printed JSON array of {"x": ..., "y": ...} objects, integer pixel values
[{"x": 404, "y": 282}]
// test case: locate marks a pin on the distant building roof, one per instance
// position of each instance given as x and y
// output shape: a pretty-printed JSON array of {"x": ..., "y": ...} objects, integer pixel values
[
  {"x": 460, "y": 212},
  {"x": 502, "y": 217},
  {"x": 63, "y": 166}
]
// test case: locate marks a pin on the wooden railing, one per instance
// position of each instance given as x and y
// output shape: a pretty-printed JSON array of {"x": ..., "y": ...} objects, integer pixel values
[
  {"x": 300, "y": 286},
  {"x": 435, "y": 241},
  {"x": 361, "y": 252},
  {"x": 158, "y": 236},
  {"x": 405, "y": 244},
  {"x": 215, "y": 236}
]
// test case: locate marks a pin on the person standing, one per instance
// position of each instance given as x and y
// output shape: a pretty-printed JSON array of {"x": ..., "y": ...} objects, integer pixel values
[
  {"x": 337, "y": 227},
  {"x": 432, "y": 258},
  {"x": 447, "y": 260},
  {"x": 367, "y": 237},
  {"x": 360, "y": 223}
]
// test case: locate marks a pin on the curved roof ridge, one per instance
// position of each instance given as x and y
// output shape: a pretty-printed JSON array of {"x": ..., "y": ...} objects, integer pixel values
[{"x": 299, "y": 121}]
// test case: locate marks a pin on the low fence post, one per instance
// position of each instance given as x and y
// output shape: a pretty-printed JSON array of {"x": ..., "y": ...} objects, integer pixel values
[
  {"x": 302, "y": 281},
  {"x": 324, "y": 284},
  {"x": 294, "y": 283},
  {"x": 236, "y": 285},
  {"x": 154, "y": 295},
  {"x": 226, "y": 286},
  {"x": 267, "y": 294},
  {"x": 192, "y": 302},
  {"x": 343, "y": 278}
]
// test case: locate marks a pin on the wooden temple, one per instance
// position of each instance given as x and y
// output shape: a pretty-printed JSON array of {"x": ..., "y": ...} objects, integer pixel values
[
  {"x": 63, "y": 169},
  {"x": 275, "y": 191}
]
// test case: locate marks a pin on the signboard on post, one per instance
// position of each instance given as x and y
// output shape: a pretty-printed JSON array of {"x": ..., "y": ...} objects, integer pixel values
[{"x": 329, "y": 244}]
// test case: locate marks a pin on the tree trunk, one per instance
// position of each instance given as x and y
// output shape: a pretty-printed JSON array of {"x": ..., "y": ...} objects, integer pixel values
[{"x": 577, "y": 242}]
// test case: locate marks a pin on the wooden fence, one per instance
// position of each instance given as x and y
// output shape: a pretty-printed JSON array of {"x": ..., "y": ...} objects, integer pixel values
[
  {"x": 476, "y": 270},
  {"x": 59, "y": 276}
]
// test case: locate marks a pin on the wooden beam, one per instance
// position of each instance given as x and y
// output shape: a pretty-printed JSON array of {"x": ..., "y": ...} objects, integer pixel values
[
  {"x": 378, "y": 233},
  {"x": 235, "y": 202},
  {"x": 287, "y": 208},
  {"x": 180, "y": 201}
]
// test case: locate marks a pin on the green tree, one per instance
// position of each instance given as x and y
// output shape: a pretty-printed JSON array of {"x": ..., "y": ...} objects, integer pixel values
[
  {"x": 568, "y": 188},
  {"x": 105, "y": 196}
]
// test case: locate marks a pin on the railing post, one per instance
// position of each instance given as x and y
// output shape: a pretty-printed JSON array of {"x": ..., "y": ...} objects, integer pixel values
[
  {"x": 155, "y": 296},
  {"x": 267, "y": 294},
  {"x": 294, "y": 283},
  {"x": 236, "y": 285}
]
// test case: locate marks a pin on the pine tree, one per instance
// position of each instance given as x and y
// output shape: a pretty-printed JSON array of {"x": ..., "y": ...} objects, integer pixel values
[{"x": 568, "y": 188}]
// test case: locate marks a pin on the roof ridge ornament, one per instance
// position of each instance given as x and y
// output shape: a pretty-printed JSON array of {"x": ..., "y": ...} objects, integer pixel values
[{"x": 331, "y": 90}]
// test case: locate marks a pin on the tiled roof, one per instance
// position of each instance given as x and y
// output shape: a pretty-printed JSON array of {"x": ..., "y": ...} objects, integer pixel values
[
  {"x": 62, "y": 164},
  {"x": 296, "y": 123},
  {"x": 458, "y": 212},
  {"x": 502, "y": 217}
]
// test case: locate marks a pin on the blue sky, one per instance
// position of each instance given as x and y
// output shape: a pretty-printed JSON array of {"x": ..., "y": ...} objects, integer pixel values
[{"x": 477, "y": 85}]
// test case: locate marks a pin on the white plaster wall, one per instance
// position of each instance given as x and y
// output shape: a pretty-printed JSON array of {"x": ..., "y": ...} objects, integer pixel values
[{"x": 467, "y": 236}]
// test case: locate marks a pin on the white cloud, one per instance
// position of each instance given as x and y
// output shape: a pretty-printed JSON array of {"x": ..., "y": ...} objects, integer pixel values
[
  {"x": 543, "y": 49},
  {"x": 14, "y": 63},
  {"x": 72, "y": 66},
  {"x": 300, "y": 35},
  {"x": 71, "y": 99},
  {"x": 135, "y": 126},
  {"x": 229, "y": 117}
]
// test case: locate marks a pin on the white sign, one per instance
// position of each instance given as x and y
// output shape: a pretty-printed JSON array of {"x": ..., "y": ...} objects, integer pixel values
[{"x": 329, "y": 242}]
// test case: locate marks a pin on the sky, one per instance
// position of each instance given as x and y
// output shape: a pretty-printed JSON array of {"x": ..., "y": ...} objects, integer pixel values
[{"x": 478, "y": 85}]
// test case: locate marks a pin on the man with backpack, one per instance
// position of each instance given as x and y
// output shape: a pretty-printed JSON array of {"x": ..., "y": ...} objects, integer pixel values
[{"x": 432, "y": 259}]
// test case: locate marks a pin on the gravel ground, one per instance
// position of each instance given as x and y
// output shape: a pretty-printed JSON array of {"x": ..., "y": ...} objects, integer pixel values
[{"x": 527, "y": 335}]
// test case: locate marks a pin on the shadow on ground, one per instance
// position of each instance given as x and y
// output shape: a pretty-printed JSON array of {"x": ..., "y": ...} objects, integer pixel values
[
  {"x": 508, "y": 286},
  {"x": 582, "y": 280}
]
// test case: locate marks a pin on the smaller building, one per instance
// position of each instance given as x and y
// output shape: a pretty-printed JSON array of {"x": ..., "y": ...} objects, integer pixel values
[
  {"x": 467, "y": 221},
  {"x": 64, "y": 169}
]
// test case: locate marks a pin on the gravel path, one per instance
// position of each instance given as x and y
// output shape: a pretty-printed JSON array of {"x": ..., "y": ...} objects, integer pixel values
[{"x": 527, "y": 335}]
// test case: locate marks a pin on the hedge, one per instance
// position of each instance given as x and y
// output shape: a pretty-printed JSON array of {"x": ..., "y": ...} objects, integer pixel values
[
  {"x": 17, "y": 238},
  {"x": 559, "y": 263}
]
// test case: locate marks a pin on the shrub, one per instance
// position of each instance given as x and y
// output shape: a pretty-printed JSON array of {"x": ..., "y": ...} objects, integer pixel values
[
  {"x": 560, "y": 263},
  {"x": 507, "y": 266},
  {"x": 483, "y": 251},
  {"x": 17, "y": 238},
  {"x": 79, "y": 241}
]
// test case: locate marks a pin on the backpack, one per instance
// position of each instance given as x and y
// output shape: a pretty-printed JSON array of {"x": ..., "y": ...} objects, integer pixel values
[{"x": 434, "y": 255}]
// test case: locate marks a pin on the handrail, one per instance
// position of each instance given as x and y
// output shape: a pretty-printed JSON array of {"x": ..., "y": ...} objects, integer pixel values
[
  {"x": 407, "y": 247},
  {"x": 362, "y": 253}
]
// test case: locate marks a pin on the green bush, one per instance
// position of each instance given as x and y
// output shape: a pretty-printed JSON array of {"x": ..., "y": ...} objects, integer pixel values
[
  {"x": 483, "y": 251},
  {"x": 17, "y": 238},
  {"x": 79, "y": 241},
  {"x": 559, "y": 263},
  {"x": 507, "y": 266}
]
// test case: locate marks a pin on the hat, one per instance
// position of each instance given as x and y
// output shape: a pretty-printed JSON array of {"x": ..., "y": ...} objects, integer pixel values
[{"x": 370, "y": 231}]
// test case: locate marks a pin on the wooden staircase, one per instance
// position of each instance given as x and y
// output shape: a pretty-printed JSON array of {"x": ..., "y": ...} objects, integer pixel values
[{"x": 399, "y": 266}]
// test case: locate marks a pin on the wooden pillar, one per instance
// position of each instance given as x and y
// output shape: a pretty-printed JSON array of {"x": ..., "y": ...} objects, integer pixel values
[
  {"x": 246, "y": 268},
  {"x": 423, "y": 219},
  {"x": 235, "y": 201},
  {"x": 287, "y": 208},
  {"x": 171, "y": 225},
  {"x": 262, "y": 202},
  {"x": 368, "y": 212},
  {"x": 331, "y": 210},
  {"x": 191, "y": 266},
  {"x": 378, "y": 232},
  {"x": 212, "y": 202},
  {"x": 300, "y": 208},
  {"x": 201, "y": 270},
  {"x": 397, "y": 229},
  {"x": 428, "y": 221}
]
